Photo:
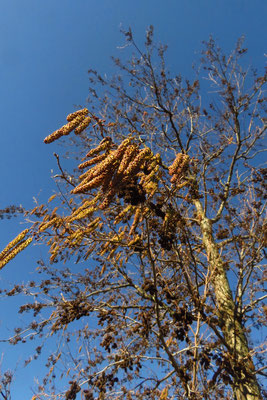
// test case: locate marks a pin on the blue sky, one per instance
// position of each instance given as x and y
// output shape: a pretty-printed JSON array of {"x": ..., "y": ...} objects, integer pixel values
[{"x": 46, "y": 48}]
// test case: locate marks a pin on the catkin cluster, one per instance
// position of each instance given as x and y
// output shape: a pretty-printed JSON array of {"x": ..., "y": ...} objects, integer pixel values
[
  {"x": 14, "y": 247},
  {"x": 179, "y": 167},
  {"x": 113, "y": 169},
  {"x": 77, "y": 121}
]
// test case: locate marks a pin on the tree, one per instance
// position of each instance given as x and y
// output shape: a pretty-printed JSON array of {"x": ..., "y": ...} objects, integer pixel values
[
  {"x": 163, "y": 235},
  {"x": 11, "y": 211},
  {"x": 5, "y": 383}
]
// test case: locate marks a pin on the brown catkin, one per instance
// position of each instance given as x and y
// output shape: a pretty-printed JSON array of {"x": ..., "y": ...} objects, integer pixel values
[
  {"x": 106, "y": 164},
  {"x": 135, "y": 165},
  {"x": 109, "y": 197},
  {"x": 130, "y": 153},
  {"x": 64, "y": 130},
  {"x": 95, "y": 182},
  {"x": 73, "y": 115},
  {"x": 175, "y": 178},
  {"x": 54, "y": 136},
  {"x": 108, "y": 181},
  {"x": 94, "y": 172},
  {"x": 94, "y": 160},
  {"x": 13, "y": 243},
  {"x": 15, "y": 251},
  {"x": 89, "y": 174},
  {"x": 181, "y": 162},
  {"x": 83, "y": 125},
  {"x": 122, "y": 147}
]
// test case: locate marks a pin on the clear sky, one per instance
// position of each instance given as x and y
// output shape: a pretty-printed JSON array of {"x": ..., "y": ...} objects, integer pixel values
[{"x": 46, "y": 48}]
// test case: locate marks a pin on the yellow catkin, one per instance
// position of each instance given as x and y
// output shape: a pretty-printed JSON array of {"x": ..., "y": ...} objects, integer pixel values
[
  {"x": 77, "y": 234},
  {"x": 73, "y": 115},
  {"x": 164, "y": 394},
  {"x": 157, "y": 158},
  {"x": 47, "y": 225},
  {"x": 54, "y": 246},
  {"x": 83, "y": 182},
  {"x": 83, "y": 214},
  {"x": 83, "y": 125},
  {"x": 94, "y": 160},
  {"x": 135, "y": 221},
  {"x": 13, "y": 243},
  {"x": 117, "y": 238},
  {"x": 94, "y": 222},
  {"x": 147, "y": 178},
  {"x": 181, "y": 185},
  {"x": 77, "y": 241},
  {"x": 122, "y": 214},
  {"x": 53, "y": 256},
  {"x": 90, "y": 251},
  {"x": 93, "y": 225},
  {"x": 118, "y": 256},
  {"x": 51, "y": 198},
  {"x": 84, "y": 206},
  {"x": 150, "y": 188},
  {"x": 103, "y": 145},
  {"x": 146, "y": 210},
  {"x": 74, "y": 237},
  {"x": 104, "y": 249},
  {"x": 134, "y": 241},
  {"x": 111, "y": 253},
  {"x": 105, "y": 169},
  {"x": 15, "y": 251},
  {"x": 69, "y": 239},
  {"x": 175, "y": 163},
  {"x": 113, "y": 243},
  {"x": 154, "y": 162},
  {"x": 106, "y": 165}
]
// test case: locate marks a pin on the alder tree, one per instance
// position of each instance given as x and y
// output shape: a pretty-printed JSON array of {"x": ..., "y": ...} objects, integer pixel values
[{"x": 155, "y": 284}]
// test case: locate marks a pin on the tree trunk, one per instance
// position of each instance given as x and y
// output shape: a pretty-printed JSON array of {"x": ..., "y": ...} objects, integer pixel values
[{"x": 245, "y": 385}]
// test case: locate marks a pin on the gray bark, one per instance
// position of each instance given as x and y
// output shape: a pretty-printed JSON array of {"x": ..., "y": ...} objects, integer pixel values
[{"x": 245, "y": 385}]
